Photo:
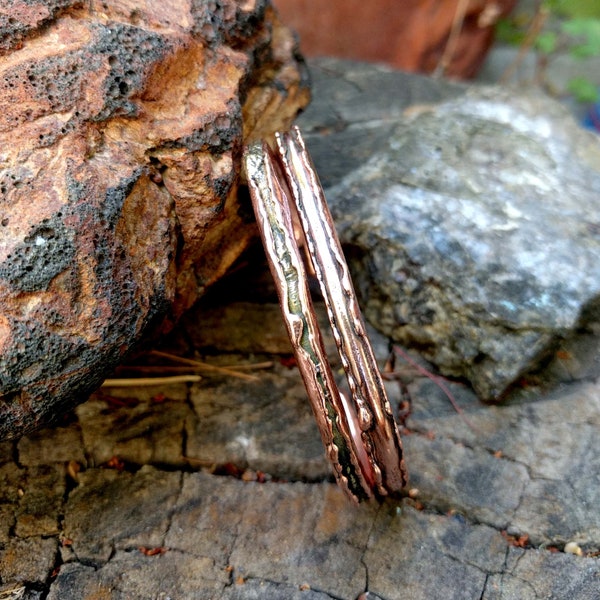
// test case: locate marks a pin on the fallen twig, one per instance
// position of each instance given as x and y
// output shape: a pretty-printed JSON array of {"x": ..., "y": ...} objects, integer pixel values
[
  {"x": 149, "y": 381},
  {"x": 452, "y": 43},
  {"x": 439, "y": 382},
  {"x": 536, "y": 26},
  {"x": 205, "y": 366}
]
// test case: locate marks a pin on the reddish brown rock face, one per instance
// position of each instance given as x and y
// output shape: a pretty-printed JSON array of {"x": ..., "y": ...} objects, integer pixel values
[{"x": 121, "y": 130}]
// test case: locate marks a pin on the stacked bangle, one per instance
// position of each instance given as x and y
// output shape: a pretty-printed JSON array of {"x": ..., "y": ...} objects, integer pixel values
[{"x": 359, "y": 431}]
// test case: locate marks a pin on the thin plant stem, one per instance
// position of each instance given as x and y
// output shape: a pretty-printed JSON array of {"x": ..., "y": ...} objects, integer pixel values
[
  {"x": 150, "y": 381},
  {"x": 537, "y": 24},
  {"x": 205, "y": 366},
  {"x": 452, "y": 43},
  {"x": 439, "y": 382}
]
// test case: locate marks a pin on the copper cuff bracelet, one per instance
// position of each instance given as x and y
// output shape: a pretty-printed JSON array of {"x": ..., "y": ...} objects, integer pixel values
[{"x": 359, "y": 432}]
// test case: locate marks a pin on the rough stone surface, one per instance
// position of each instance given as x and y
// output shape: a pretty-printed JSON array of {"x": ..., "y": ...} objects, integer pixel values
[
  {"x": 473, "y": 228},
  {"x": 121, "y": 128}
]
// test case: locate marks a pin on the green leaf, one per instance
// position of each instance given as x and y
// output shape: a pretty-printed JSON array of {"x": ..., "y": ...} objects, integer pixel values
[
  {"x": 508, "y": 32},
  {"x": 575, "y": 8},
  {"x": 582, "y": 27},
  {"x": 583, "y": 89},
  {"x": 546, "y": 42},
  {"x": 588, "y": 33}
]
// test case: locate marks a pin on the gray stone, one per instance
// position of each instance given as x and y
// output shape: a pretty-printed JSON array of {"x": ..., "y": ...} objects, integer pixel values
[
  {"x": 27, "y": 560},
  {"x": 238, "y": 428},
  {"x": 530, "y": 467},
  {"x": 56, "y": 445},
  {"x": 323, "y": 536},
  {"x": 41, "y": 500},
  {"x": 11, "y": 483},
  {"x": 476, "y": 483},
  {"x": 136, "y": 430},
  {"x": 132, "y": 511},
  {"x": 354, "y": 106},
  {"x": 459, "y": 552},
  {"x": 472, "y": 231},
  {"x": 243, "y": 539},
  {"x": 462, "y": 560},
  {"x": 270, "y": 590},
  {"x": 238, "y": 321},
  {"x": 6, "y": 452},
  {"x": 232, "y": 328},
  {"x": 273, "y": 532},
  {"x": 7, "y": 522},
  {"x": 575, "y": 578},
  {"x": 132, "y": 574}
]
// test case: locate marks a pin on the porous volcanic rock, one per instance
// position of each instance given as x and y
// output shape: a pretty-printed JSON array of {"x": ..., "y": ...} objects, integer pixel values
[{"x": 121, "y": 131}]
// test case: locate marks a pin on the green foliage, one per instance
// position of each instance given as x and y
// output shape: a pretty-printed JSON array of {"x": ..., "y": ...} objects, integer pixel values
[
  {"x": 583, "y": 89},
  {"x": 586, "y": 36},
  {"x": 574, "y": 9},
  {"x": 508, "y": 31},
  {"x": 578, "y": 33},
  {"x": 546, "y": 42}
]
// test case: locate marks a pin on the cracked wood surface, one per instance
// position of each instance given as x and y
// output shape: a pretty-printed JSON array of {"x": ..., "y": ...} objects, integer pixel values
[{"x": 220, "y": 489}]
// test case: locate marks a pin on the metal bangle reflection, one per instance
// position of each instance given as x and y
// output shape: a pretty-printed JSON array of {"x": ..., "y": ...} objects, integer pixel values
[{"x": 359, "y": 432}]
